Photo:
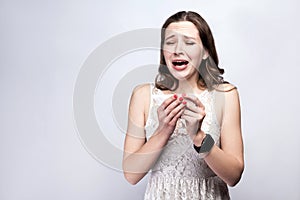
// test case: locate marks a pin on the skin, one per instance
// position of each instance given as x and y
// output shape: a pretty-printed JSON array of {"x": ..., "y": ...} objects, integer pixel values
[{"x": 183, "y": 42}]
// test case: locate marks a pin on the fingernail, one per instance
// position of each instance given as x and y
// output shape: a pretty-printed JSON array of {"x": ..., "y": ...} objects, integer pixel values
[
  {"x": 183, "y": 94},
  {"x": 180, "y": 98},
  {"x": 184, "y": 102},
  {"x": 175, "y": 96}
]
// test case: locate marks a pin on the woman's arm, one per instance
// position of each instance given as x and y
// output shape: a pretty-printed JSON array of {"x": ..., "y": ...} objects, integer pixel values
[
  {"x": 228, "y": 161},
  {"x": 140, "y": 155}
]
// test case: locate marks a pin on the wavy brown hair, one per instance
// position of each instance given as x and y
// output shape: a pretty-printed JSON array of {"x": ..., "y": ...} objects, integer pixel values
[{"x": 210, "y": 75}]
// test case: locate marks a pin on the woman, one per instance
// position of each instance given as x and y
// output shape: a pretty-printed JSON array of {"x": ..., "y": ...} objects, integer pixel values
[{"x": 186, "y": 128}]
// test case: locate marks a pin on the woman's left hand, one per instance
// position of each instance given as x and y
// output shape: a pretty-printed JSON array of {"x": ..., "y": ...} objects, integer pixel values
[{"x": 193, "y": 114}]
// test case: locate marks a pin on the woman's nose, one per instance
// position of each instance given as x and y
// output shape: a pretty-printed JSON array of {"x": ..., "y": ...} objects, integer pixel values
[{"x": 179, "y": 48}]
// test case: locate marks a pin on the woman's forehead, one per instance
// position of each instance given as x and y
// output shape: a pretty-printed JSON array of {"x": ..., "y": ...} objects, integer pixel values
[{"x": 185, "y": 28}]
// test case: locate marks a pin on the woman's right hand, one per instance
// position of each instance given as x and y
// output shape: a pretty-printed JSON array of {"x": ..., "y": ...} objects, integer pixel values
[{"x": 168, "y": 113}]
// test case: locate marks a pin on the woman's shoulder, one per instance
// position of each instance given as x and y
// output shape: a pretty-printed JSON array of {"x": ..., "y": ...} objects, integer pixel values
[
  {"x": 140, "y": 97},
  {"x": 228, "y": 91},
  {"x": 225, "y": 87},
  {"x": 142, "y": 89}
]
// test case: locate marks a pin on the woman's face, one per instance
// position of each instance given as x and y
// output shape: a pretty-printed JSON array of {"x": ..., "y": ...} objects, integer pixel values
[{"x": 183, "y": 50}]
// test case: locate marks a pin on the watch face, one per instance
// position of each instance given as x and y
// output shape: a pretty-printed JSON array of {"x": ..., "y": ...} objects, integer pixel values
[{"x": 207, "y": 144}]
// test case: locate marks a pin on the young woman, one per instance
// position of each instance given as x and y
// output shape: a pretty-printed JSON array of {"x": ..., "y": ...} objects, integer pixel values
[{"x": 185, "y": 128}]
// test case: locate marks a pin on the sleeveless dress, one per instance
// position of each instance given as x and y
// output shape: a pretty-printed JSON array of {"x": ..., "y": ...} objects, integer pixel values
[{"x": 179, "y": 172}]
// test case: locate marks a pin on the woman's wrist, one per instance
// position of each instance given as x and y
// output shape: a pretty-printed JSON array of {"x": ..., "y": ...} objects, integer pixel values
[
  {"x": 198, "y": 139},
  {"x": 160, "y": 137}
]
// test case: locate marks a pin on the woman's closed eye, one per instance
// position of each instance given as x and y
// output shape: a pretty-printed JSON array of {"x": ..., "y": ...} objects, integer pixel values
[
  {"x": 190, "y": 43},
  {"x": 170, "y": 42}
]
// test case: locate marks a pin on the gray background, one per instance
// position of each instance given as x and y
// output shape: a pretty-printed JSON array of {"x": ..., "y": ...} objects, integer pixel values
[{"x": 44, "y": 44}]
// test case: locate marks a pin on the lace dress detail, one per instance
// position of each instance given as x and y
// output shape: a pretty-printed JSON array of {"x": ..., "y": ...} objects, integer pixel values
[{"x": 179, "y": 172}]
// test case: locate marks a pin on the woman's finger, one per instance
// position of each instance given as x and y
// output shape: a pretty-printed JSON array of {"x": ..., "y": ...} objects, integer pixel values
[
  {"x": 168, "y": 101},
  {"x": 194, "y": 99},
  {"x": 176, "y": 117},
  {"x": 173, "y": 105},
  {"x": 192, "y": 106},
  {"x": 189, "y": 113},
  {"x": 175, "y": 111},
  {"x": 198, "y": 115}
]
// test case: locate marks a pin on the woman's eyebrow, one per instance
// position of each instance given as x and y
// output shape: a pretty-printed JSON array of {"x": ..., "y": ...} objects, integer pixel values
[
  {"x": 185, "y": 36},
  {"x": 171, "y": 36},
  {"x": 189, "y": 37}
]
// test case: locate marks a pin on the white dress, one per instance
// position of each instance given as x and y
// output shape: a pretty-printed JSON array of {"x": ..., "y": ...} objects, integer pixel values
[{"x": 179, "y": 172}]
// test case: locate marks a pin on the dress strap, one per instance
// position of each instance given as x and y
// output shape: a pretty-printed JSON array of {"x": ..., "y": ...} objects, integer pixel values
[{"x": 151, "y": 88}]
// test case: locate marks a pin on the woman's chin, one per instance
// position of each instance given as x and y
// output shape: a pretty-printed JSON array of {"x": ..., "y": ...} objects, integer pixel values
[{"x": 181, "y": 77}]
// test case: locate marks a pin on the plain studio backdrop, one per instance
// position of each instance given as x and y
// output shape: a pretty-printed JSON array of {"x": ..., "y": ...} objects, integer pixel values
[{"x": 44, "y": 45}]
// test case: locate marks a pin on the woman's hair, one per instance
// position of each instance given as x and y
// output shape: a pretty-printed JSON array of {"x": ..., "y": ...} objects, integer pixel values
[{"x": 210, "y": 75}]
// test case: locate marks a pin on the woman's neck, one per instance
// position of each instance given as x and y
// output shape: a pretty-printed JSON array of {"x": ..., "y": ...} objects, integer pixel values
[{"x": 188, "y": 86}]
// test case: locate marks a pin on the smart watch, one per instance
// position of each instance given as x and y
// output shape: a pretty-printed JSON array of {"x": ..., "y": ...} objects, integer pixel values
[{"x": 206, "y": 145}]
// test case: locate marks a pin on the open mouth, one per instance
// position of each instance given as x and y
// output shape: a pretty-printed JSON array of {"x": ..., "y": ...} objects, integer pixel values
[
  {"x": 180, "y": 62},
  {"x": 180, "y": 65}
]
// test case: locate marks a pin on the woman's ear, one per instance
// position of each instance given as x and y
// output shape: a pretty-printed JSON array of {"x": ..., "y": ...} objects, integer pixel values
[{"x": 205, "y": 55}]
